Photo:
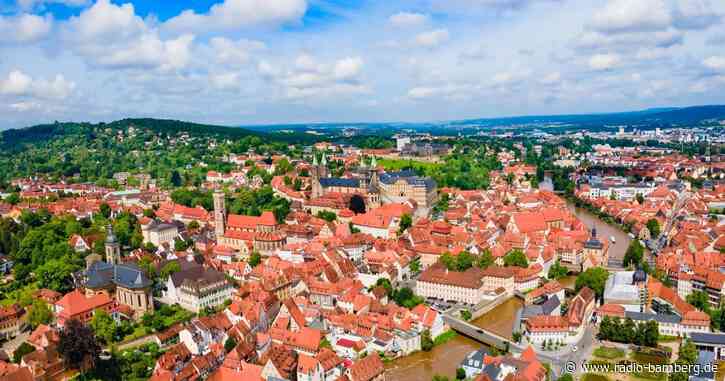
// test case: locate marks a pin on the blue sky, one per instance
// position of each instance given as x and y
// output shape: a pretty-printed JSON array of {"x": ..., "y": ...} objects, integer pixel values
[{"x": 240, "y": 62}]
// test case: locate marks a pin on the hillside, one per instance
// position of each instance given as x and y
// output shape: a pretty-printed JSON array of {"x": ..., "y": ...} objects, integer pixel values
[
  {"x": 94, "y": 152},
  {"x": 14, "y": 138},
  {"x": 660, "y": 117}
]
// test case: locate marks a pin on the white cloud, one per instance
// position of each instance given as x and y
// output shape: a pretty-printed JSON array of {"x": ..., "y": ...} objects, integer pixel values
[
  {"x": 604, "y": 61},
  {"x": 694, "y": 14},
  {"x": 551, "y": 78},
  {"x": 628, "y": 15},
  {"x": 237, "y": 14},
  {"x": 348, "y": 68},
  {"x": 407, "y": 19},
  {"x": 432, "y": 38},
  {"x": 24, "y": 28},
  {"x": 310, "y": 77},
  {"x": 635, "y": 40},
  {"x": 714, "y": 63},
  {"x": 58, "y": 88},
  {"x": 18, "y": 83},
  {"x": 114, "y": 36},
  {"x": 225, "y": 81},
  {"x": 422, "y": 92},
  {"x": 234, "y": 52}
]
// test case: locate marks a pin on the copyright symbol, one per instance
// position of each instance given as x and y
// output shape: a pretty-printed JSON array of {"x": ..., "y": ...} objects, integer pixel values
[{"x": 570, "y": 367}]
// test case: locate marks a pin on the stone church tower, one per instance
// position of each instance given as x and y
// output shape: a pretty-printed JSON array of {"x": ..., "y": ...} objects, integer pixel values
[
  {"x": 220, "y": 214},
  {"x": 113, "y": 248}
]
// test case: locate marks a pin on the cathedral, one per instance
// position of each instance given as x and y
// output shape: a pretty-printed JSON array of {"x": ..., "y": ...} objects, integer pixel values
[{"x": 375, "y": 188}]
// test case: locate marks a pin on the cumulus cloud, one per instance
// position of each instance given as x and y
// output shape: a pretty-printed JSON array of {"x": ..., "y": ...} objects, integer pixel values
[
  {"x": 236, "y": 14},
  {"x": 114, "y": 36},
  {"x": 18, "y": 83},
  {"x": 715, "y": 63},
  {"x": 233, "y": 52},
  {"x": 309, "y": 77},
  {"x": 407, "y": 19},
  {"x": 24, "y": 28},
  {"x": 627, "y": 16},
  {"x": 694, "y": 14},
  {"x": 432, "y": 38},
  {"x": 604, "y": 61}
]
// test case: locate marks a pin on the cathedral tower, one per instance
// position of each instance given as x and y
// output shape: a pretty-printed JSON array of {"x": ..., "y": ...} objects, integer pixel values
[{"x": 220, "y": 214}]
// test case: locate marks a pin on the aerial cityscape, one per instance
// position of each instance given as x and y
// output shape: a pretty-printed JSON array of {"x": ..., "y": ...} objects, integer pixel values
[{"x": 329, "y": 190}]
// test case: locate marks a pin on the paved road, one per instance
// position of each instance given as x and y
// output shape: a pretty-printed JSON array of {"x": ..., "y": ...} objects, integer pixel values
[
  {"x": 577, "y": 354},
  {"x": 10, "y": 346}
]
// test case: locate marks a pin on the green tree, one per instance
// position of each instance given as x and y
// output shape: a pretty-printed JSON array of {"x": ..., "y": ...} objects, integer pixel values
[
  {"x": 654, "y": 227},
  {"x": 327, "y": 215},
  {"x": 557, "y": 271},
  {"x": 415, "y": 265},
  {"x": 594, "y": 278},
  {"x": 230, "y": 344},
  {"x": 700, "y": 300},
  {"x": 466, "y": 315},
  {"x": 688, "y": 352},
  {"x": 21, "y": 351},
  {"x": 426, "y": 342},
  {"x": 105, "y": 210},
  {"x": 516, "y": 336},
  {"x": 175, "y": 178},
  {"x": 39, "y": 313},
  {"x": 169, "y": 269},
  {"x": 255, "y": 259},
  {"x": 406, "y": 221},
  {"x": 13, "y": 199},
  {"x": 516, "y": 257},
  {"x": 103, "y": 326},
  {"x": 484, "y": 259},
  {"x": 56, "y": 274},
  {"x": 634, "y": 254},
  {"x": 640, "y": 198}
]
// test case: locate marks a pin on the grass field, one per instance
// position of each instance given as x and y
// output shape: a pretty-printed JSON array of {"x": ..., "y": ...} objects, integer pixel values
[
  {"x": 608, "y": 353},
  {"x": 400, "y": 164}
]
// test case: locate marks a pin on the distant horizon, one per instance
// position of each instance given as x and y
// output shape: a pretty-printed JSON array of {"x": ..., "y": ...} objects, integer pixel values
[{"x": 431, "y": 122}]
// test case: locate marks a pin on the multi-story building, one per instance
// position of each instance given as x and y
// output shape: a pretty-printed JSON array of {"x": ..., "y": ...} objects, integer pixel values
[
  {"x": 470, "y": 286},
  {"x": 159, "y": 233},
  {"x": 195, "y": 288},
  {"x": 11, "y": 321}
]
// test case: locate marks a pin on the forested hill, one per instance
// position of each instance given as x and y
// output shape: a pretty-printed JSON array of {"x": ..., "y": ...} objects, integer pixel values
[
  {"x": 17, "y": 138},
  {"x": 94, "y": 152}
]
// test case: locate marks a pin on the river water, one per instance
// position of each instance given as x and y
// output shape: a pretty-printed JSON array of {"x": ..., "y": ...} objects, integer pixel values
[
  {"x": 604, "y": 231},
  {"x": 445, "y": 358}
]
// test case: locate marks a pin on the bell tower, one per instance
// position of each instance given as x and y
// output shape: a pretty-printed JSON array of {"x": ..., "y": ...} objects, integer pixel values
[
  {"x": 220, "y": 214},
  {"x": 113, "y": 248}
]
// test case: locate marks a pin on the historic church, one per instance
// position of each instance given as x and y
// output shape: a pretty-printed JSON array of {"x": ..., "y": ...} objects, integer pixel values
[
  {"x": 375, "y": 188},
  {"x": 125, "y": 282}
]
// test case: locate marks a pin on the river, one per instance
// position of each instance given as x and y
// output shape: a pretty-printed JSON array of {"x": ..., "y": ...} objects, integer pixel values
[
  {"x": 445, "y": 358},
  {"x": 604, "y": 231}
]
